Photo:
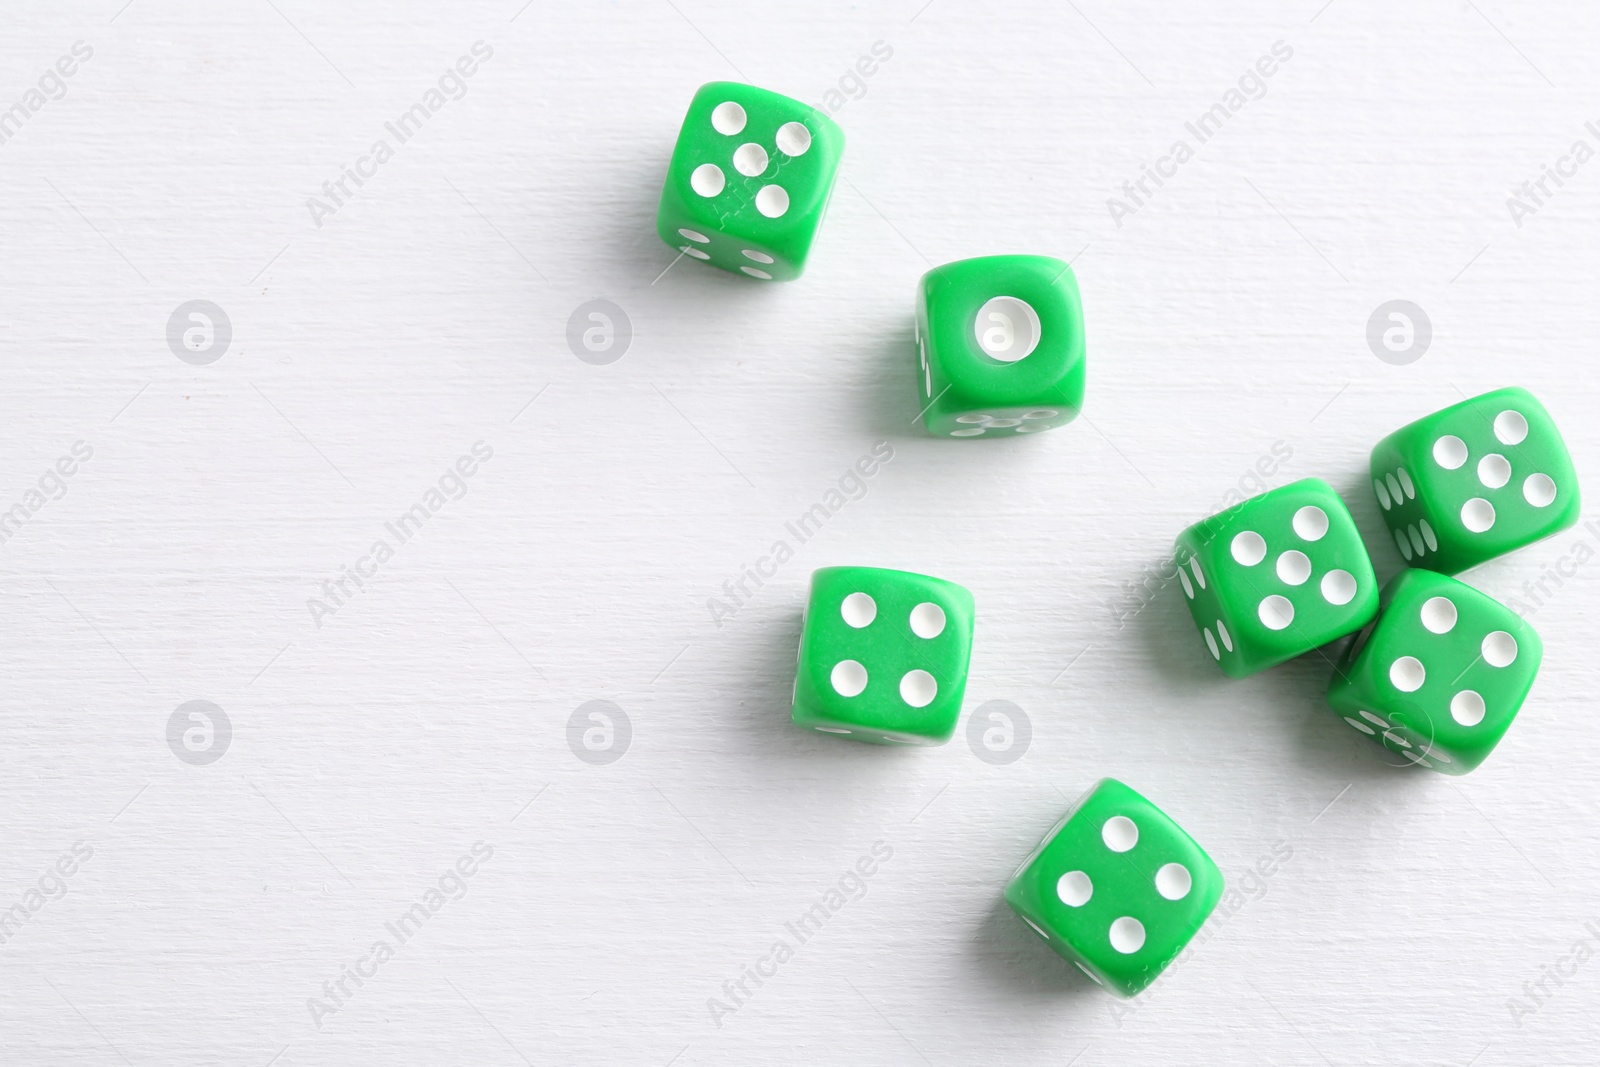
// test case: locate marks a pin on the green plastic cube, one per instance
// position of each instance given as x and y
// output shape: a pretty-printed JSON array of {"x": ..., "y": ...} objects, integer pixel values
[
  {"x": 999, "y": 346},
  {"x": 1474, "y": 481},
  {"x": 1276, "y": 576},
  {"x": 1439, "y": 677},
  {"x": 749, "y": 181},
  {"x": 883, "y": 656},
  {"x": 1117, "y": 887}
]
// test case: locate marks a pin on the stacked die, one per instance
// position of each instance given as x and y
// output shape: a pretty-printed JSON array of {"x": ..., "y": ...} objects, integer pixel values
[{"x": 1439, "y": 669}]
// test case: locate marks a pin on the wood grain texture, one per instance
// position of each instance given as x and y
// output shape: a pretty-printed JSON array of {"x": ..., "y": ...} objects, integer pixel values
[{"x": 373, "y": 747}]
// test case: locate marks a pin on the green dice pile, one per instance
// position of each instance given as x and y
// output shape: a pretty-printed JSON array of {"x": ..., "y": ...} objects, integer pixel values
[
  {"x": 1436, "y": 673},
  {"x": 1439, "y": 669}
]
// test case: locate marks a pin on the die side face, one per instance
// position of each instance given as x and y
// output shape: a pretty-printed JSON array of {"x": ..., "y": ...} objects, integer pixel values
[
  {"x": 1276, "y": 576},
  {"x": 1475, "y": 481},
  {"x": 1000, "y": 346},
  {"x": 1441, "y": 675},
  {"x": 883, "y": 656},
  {"x": 1118, "y": 888},
  {"x": 749, "y": 181}
]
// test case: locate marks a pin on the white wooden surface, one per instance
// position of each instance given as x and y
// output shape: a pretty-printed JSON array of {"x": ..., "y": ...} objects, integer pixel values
[{"x": 429, "y": 712}]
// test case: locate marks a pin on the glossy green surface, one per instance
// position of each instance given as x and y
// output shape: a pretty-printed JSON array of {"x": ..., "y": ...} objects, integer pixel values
[
  {"x": 1474, "y": 481},
  {"x": 771, "y": 163},
  {"x": 1276, "y": 576},
  {"x": 1440, "y": 676},
  {"x": 911, "y": 635},
  {"x": 995, "y": 369},
  {"x": 1122, "y": 914}
]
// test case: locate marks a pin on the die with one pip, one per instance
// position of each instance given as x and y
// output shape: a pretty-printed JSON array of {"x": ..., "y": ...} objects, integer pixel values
[{"x": 1000, "y": 348}]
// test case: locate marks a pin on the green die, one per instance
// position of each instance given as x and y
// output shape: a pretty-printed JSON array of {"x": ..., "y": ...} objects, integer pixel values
[
  {"x": 999, "y": 346},
  {"x": 883, "y": 656},
  {"x": 1117, "y": 887},
  {"x": 749, "y": 180},
  {"x": 1276, "y": 576},
  {"x": 1441, "y": 674},
  {"x": 1474, "y": 481}
]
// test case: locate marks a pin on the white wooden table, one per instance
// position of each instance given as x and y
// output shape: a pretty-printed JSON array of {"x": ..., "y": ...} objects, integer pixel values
[{"x": 397, "y": 760}]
